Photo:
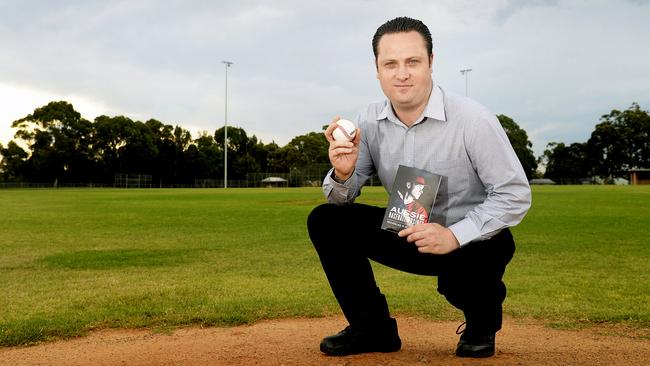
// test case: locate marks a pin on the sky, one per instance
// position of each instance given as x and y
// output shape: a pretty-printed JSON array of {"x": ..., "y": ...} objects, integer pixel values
[{"x": 555, "y": 67}]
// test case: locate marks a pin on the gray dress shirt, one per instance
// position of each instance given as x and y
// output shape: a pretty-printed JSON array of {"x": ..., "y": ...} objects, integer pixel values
[{"x": 485, "y": 188}]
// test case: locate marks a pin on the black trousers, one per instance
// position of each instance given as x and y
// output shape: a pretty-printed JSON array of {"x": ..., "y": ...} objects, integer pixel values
[{"x": 470, "y": 278}]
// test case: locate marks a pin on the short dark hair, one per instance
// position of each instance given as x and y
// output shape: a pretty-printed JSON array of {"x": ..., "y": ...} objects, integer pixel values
[{"x": 402, "y": 25}]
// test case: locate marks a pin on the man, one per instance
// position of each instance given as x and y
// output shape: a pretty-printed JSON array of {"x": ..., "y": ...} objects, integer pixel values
[{"x": 466, "y": 242}]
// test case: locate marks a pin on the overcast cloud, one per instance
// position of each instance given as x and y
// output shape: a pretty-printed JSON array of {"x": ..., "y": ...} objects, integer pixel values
[{"x": 553, "y": 66}]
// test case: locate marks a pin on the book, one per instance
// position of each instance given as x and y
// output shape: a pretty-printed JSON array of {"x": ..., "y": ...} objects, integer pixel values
[{"x": 411, "y": 198}]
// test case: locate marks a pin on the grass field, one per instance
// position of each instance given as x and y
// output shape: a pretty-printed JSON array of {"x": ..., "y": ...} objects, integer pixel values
[{"x": 72, "y": 260}]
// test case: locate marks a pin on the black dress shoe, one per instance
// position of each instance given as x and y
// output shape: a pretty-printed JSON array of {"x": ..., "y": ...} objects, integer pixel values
[
  {"x": 477, "y": 347},
  {"x": 357, "y": 340}
]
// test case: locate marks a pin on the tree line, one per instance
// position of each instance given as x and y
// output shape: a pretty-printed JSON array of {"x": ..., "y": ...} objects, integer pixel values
[
  {"x": 63, "y": 146},
  {"x": 618, "y": 143},
  {"x": 56, "y": 144}
]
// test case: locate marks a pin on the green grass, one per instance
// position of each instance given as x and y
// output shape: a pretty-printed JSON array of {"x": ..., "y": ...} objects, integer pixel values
[
  {"x": 72, "y": 260},
  {"x": 583, "y": 256}
]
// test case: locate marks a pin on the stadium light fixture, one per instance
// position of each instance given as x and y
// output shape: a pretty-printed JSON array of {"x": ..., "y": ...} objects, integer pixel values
[
  {"x": 225, "y": 131},
  {"x": 466, "y": 73}
]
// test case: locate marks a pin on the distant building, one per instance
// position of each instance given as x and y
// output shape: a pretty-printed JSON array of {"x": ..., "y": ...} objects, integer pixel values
[{"x": 639, "y": 176}]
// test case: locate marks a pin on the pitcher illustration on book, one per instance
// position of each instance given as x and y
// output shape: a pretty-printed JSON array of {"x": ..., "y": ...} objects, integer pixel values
[
  {"x": 413, "y": 211},
  {"x": 411, "y": 199}
]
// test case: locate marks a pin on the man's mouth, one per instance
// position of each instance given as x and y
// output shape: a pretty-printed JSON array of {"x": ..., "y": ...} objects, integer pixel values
[{"x": 403, "y": 88}]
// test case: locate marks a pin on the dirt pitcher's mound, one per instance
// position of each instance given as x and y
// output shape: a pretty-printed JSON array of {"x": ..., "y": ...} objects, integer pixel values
[{"x": 295, "y": 342}]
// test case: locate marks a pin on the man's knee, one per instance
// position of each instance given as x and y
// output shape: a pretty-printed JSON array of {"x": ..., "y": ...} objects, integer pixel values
[
  {"x": 319, "y": 216},
  {"x": 319, "y": 222}
]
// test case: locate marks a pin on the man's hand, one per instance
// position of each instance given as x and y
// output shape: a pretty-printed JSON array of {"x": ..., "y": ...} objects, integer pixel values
[
  {"x": 431, "y": 238},
  {"x": 343, "y": 154}
]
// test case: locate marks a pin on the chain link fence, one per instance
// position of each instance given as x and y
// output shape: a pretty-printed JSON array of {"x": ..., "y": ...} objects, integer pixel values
[{"x": 311, "y": 176}]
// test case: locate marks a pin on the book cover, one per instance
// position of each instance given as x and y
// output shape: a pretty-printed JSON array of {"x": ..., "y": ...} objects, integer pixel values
[{"x": 411, "y": 198}]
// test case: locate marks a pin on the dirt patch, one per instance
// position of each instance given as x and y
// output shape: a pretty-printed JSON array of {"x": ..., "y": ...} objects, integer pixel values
[{"x": 295, "y": 342}]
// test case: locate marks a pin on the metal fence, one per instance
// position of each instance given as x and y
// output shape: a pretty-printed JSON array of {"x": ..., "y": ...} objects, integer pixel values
[
  {"x": 252, "y": 180},
  {"x": 310, "y": 176},
  {"x": 132, "y": 181}
]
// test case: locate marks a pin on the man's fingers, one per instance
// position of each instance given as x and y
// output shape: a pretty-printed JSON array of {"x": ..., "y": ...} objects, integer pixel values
[
  {"x": 329, "y": 131},
  {"x": 340, "y": 148},
  {"x": 412, "y": 229},
  {"x": 416, "y": 236},
  {"x": 338, "y": 144},
  {"x": 431, "y": 250},
  {"x": 428, "y": 238},
  {"x": 357, "y": 137},
  {"x": 339, "y": 152},
  {"x": 421, "y": 243},
  {"x": 406, "y": 232},
  {"x": 420, "y": 234}
]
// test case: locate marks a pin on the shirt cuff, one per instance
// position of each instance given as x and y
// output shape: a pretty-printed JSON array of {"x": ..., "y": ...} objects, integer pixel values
[
  {"x": 335, "y": 179},
  {"x": 336, "y": 192},
  {"x": 348, "y": 183},
  {"x": 465, "y": 231}
]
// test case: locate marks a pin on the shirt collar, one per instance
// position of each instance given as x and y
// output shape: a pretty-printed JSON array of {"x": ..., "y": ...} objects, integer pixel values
[{"x": 435, "y": 108}]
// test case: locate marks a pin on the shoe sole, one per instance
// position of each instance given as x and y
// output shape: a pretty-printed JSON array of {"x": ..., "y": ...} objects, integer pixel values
[
  {"x": 344, "y": 352},
  {"x": 486, "y": 354}
]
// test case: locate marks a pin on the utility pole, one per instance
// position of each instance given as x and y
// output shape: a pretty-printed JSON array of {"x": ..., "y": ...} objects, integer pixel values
[
  {"x": 466, "y": 73},
  {"x": 225, "y": 131}
]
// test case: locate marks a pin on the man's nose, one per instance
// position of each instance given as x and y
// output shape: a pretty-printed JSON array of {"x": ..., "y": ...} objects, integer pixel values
[{"x": 403, "y": 73}]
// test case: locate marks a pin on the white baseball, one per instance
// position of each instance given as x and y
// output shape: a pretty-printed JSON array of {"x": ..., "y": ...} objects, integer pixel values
[{"x": 345, "y": 130}]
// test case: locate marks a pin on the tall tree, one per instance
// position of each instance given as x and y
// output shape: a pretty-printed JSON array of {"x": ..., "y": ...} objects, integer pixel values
[
  {"x": 111, "y": 134},
  {"x": 139, "y": 152},
  {"x": 621, "y": 141},
  {"x": 164, "y": 163},
  {"x": 566, "y": 162},
  {"x": 12, "y": 162},
  {"x": 520, "y": 143},
  {"x": 60, "y": 143},
  {"x": 209, "y": 161},
  {"x": 303, "y": 150},
  {"x": 275, "y": 157},
  {"x": 182, "y": 141},
  {"x": 240, "y": 152}
]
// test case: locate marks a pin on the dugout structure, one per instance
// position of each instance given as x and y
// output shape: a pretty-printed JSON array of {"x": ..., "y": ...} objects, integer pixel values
[
  {"x": 132, "y": 181},
  {"x": 639, "y": 176},
  {"x": 270, "y": 182}
]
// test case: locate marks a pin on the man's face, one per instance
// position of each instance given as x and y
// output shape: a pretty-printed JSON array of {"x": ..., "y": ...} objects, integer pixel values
[
  {"x": 417, "y": 190},
  {"x": 404, "y": 69}
]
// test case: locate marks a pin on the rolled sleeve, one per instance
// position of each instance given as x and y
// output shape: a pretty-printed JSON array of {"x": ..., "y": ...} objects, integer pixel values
[{"x": 339, "y": 193}]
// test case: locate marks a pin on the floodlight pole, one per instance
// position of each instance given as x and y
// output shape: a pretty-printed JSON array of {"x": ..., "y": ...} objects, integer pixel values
[
  {"x": 225, "y": 131},
  {"x": 466, "y": 72}
]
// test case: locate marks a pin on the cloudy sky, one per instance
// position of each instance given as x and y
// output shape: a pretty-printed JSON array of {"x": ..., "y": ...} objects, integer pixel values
[{"x": 553, "y": 66}]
